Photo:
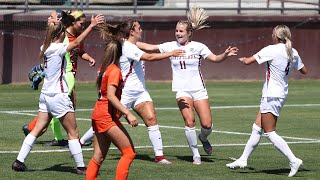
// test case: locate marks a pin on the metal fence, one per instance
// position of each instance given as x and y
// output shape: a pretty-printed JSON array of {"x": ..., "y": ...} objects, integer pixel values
[{"x": 136, "y": 6}]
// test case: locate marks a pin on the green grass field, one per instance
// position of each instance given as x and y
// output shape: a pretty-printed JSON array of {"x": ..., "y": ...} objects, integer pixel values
[{"x": 235, "y": 104}]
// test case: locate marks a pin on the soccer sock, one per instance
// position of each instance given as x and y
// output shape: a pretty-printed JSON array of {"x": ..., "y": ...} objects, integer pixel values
[
  {"x": 76, "y": 152},
  {"x": 87, "y": 136},
  {"x": 26, "y": 147},
  {"x": 252, "y": 142},
  {"x": 55, "y": 126},
  {"x": 156, "y": 140},
  {"x": 191, "y": 136},
  {"x": 33, "y": 123},
  {"x": 92, "y": 170},
  {"x": 124, "y": 163},
  {"x": 281, "y": 145},
  {"x": 205, "y": 133}
]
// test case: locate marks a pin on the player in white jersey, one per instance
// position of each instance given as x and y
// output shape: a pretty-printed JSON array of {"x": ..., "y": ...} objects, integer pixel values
[
  {"x": 54, "y": 100},
  {"x": 279, "y": 59},
  {"x": 187, "y": 80},
  {"x": 134, "y": 92}
]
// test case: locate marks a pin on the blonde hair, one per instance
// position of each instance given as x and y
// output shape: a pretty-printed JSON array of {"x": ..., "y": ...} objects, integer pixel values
[
  {"x": 283, "y": 34},
  {"x": 197, "y": 18},
  {"x": 53, "y": 31}
]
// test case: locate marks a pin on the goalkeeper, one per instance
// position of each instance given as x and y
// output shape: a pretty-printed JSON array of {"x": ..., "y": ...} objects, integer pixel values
[{"x": 73, "y": 30}]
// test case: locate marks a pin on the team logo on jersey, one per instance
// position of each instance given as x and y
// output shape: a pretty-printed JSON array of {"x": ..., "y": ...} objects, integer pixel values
[
  {"x": 191, "y": 49},
  {"x": 136, "y": 54}
]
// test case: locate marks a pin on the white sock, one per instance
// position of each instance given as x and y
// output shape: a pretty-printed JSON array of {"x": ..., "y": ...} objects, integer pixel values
[
  {"x": 252, "y": 142},
  {"x": 191, "y": 136},
  {"x": 156, "y": 140},
  {"x": 87, "y": 136},
  {"x": 76, "y": 152},
  {"x": 26, "y": 147},
  {"x": 205, "y": 133},
  {"x": 281, "y": 145}
]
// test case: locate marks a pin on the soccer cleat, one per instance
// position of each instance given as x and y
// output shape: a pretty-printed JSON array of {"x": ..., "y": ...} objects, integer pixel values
[
  {"x": 236, "y": 164},
  {"x": 295, "y": 167},
  {"x": 206, "y": 146},
  {"x": 196, "y": 160},
  {"x": 57, "y": 143},
  {"x": 19, "y": 166},
  {"x": 87, "y": 143},
  {"x": 161, "y": 160},
  {"x": 81, "y": 170},
  {"x": 25, "y": 130}
]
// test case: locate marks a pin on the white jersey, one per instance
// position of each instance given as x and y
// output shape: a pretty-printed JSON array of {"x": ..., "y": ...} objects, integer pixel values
[
  {"x": 54, "y": 69},
  {"x": 278, "y": 69},
  {"x": 186, "y": 74},
  {"x": 132, "y": 68}
]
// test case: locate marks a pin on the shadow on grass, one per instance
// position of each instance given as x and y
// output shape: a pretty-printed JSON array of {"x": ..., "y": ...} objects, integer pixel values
[
  {"x": 207, "y": 159},
  {"x": 60, "y": 168}
]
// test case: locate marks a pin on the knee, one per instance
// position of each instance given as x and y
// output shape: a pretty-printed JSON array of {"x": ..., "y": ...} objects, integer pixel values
[
  {"x": 128, "y": 153},
  {"x": 98, "y": 158},
  {"x": 190, "y": 123},
  {"x": 150, "y": 121}
]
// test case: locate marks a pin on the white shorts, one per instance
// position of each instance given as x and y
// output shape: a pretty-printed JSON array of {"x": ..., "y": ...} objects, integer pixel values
[
  {"x": 56, "y": 104},
  {"x": 195, "y": 95},
  {"x": 272, "y": 105},
  {"x": 133, "y": 98}
]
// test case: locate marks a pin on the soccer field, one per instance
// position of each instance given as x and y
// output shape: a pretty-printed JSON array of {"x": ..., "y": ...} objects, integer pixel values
[{"x": 234, "y": 107}]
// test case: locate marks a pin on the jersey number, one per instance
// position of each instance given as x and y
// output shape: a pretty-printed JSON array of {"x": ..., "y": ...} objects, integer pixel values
[{"x": 183, "y": 65}]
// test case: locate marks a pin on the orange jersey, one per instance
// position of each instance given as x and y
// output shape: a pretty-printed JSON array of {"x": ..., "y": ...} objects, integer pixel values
[
  {"x": 104, "y": 115},
  {"x": 74, "y": 53}
]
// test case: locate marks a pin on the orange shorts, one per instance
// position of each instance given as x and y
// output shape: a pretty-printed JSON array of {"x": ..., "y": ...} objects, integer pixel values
[{"x": 101, "y": 126}]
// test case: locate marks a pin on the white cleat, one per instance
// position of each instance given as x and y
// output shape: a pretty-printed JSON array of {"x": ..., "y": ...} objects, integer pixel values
[
  {"x": 196, "y": 160},
  {"x": 237, "y": 164},
  {"x": 164, "y": 161},
  {"x": 295, "y": 167}
]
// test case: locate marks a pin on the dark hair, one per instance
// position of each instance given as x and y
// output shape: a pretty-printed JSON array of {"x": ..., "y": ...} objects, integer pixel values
[{"x": 112, "y": 54}]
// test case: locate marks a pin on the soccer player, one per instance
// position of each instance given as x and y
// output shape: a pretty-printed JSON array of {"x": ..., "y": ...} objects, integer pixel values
[
  {"x": 54, "y": 100},
  {"x": 191, "y": 92},
  {"x": 74, "y": 26},
  {"x": 106, "y": 113},
  {"x": 279, "y": 59},
  {"x": 134, "y": 92}
]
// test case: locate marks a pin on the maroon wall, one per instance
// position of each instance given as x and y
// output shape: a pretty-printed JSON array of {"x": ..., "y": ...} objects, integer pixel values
[{"x": 248, "y": 33}]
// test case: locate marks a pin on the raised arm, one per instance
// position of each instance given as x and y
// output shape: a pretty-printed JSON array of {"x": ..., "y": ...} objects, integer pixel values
[
  {"x": 94, "y": 21},
  {"x": 160, "y": 56},
  {"x": 230, "y": 51},
  {"x": 147, "y": 47}
]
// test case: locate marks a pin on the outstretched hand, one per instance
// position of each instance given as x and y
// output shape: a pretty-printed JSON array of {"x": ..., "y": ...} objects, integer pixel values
[
  {"x": 97, "y": 19},
  {"x": 231, "y": 51}
]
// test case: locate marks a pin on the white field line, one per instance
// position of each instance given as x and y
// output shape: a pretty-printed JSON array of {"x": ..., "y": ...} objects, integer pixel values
[
  {"x": 147, "y": 147},
  {"x": 25, "y": 112},
  {"x": 176, "y": 108}
]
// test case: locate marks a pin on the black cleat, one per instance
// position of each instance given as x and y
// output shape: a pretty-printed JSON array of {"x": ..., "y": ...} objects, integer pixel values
[
  {"x": 25, "y": 130},
  {"x": 19, "y": 166},
  {"x": 81, "y": 170},
  {"x": 57, "y": 143}
]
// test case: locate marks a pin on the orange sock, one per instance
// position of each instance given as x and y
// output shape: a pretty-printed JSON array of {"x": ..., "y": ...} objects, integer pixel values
[
  {"x": 124, "y": 163},
  {"x": 92, "y": 170},
  {"x": 33, "y": 123}
]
